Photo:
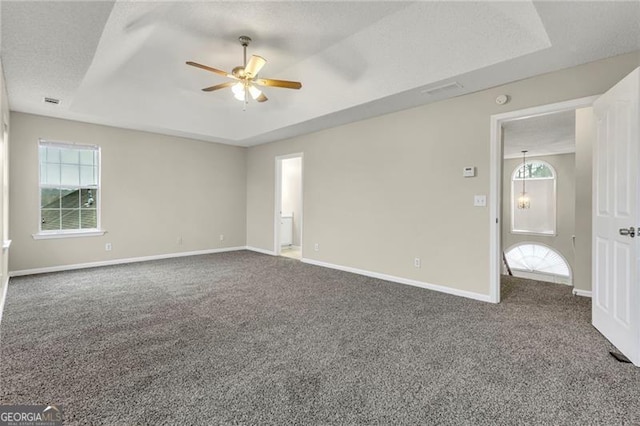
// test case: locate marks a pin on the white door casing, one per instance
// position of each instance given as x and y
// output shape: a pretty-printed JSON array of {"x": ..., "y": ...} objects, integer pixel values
[
  {"x": 495, "y": 176},
  {"x": 616, "y": 261}
]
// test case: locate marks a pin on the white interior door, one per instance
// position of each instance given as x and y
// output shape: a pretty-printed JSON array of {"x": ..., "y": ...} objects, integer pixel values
[{"x": 616, "y": 262}]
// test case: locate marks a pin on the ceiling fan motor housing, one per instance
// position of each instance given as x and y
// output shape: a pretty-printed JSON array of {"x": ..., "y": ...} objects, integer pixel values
[{"x": 238, "y": 71}]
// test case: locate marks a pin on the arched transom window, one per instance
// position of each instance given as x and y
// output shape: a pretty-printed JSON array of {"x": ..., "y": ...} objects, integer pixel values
[{"x": 546, "y": 263}]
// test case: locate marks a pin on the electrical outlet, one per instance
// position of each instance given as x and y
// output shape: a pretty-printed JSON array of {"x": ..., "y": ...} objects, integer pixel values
[
  {"x": 179, "y": 241},
  {"x": 316, "y": 247},
  {"x": 107, "y": 247},
  {"x": 221, "y": 237},
  {"x": 416, "y": 262}
]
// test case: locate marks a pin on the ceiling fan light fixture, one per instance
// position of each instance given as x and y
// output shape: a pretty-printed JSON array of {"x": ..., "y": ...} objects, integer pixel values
[
  {"x": 238, "y": 91},
  {"x": 254, "y": 91},
  {"x": 245, "y": 77}
]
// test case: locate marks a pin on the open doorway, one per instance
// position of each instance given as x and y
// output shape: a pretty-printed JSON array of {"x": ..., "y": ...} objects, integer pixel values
[
  {"x": 541, "y": 198},
  {"x": 608, "y": 187},
  {"x": 288, "y": 217}
]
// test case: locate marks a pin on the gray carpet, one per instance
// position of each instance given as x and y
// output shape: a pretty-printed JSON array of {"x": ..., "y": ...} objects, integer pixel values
[{"x": 244, "y": 338}]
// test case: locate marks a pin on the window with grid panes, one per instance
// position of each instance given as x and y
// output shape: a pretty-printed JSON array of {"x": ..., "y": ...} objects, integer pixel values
[{"x": 69, "y": 187}]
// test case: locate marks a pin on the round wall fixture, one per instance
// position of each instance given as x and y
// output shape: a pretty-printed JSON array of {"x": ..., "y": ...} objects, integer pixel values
[{"x": 502, "y": 99}]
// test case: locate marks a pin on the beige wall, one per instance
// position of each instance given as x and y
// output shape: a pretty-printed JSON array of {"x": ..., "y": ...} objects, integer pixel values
[
  {"x": 562, "y": 242},
  {"x": 585, "y": 140},
  {"x": 155, "y": 189},
  {"x": 4, "y": 194},
  {"x": 379, "y": 192},
  {"x": 292, "y": 192}
]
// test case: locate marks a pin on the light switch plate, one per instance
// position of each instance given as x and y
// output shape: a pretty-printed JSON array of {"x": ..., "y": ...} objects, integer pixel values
[
  {"x": 469, "y": 171},
  {"x": 480, "y": 200}
]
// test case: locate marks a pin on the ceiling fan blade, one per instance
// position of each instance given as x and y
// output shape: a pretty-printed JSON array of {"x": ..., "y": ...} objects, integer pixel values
[
  {"x": 213, "y": 70},
  {"x": 254, "y": 66},
  {"x": 262, "y": 98},
  {"x": 278, "y": 83},
  {"x": 219, "y": 86}
]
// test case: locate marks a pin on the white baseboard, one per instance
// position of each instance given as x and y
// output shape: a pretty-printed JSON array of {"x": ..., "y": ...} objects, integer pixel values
[
  {"x": 400, "y": 280},
  {"x": 259, "y": 250},
  {"x": 583, "y": 293},
  {"x": 119, "y": 261}
]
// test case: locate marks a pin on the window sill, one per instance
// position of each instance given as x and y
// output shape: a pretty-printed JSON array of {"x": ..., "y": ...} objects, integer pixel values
[
  {"x": 69, "y": 234},
  {"x": 539, "y": 234}
]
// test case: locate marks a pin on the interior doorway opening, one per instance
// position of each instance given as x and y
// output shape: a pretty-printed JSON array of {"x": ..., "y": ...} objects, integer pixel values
[
  {"x": 538, "y": 177},
  {"x": 288, "y": 214}
]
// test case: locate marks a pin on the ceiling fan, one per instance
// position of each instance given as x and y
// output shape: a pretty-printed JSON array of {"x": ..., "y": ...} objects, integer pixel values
[{"x": 245, "y": 77}]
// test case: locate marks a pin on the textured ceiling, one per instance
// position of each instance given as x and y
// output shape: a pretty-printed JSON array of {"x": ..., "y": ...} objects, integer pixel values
[
  {"x": 547, "y": 134},
  {"x": 122, "y": 63}
]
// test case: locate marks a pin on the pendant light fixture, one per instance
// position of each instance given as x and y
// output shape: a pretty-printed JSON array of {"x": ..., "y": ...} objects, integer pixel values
[{"x": 523, "y": 200}]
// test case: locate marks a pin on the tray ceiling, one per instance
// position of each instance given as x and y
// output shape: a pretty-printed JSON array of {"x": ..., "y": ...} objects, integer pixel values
[{"x": 122, "y": 63}]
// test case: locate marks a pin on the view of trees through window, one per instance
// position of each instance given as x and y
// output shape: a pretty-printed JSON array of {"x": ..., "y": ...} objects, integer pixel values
[{"x": 534, "y": 170}]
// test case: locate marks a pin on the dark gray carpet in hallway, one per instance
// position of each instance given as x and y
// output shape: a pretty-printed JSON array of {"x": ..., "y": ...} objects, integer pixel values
[{"x": 252, "y": 339}]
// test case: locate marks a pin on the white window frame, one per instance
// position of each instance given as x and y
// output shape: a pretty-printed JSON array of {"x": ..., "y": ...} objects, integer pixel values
[
  {"x": 516, "y": 191},
  {"x": 70, "y": 233},
  {"x": 540, "y": 275}
]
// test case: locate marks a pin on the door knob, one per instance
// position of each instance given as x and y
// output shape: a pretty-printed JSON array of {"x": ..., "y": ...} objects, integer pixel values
[{"x": 631, "y": 231}]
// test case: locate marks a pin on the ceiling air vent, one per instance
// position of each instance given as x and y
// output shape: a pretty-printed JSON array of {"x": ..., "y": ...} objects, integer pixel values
[
  {"x": 432, "y": 91},
  {"x": 51, "y": 101}
]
